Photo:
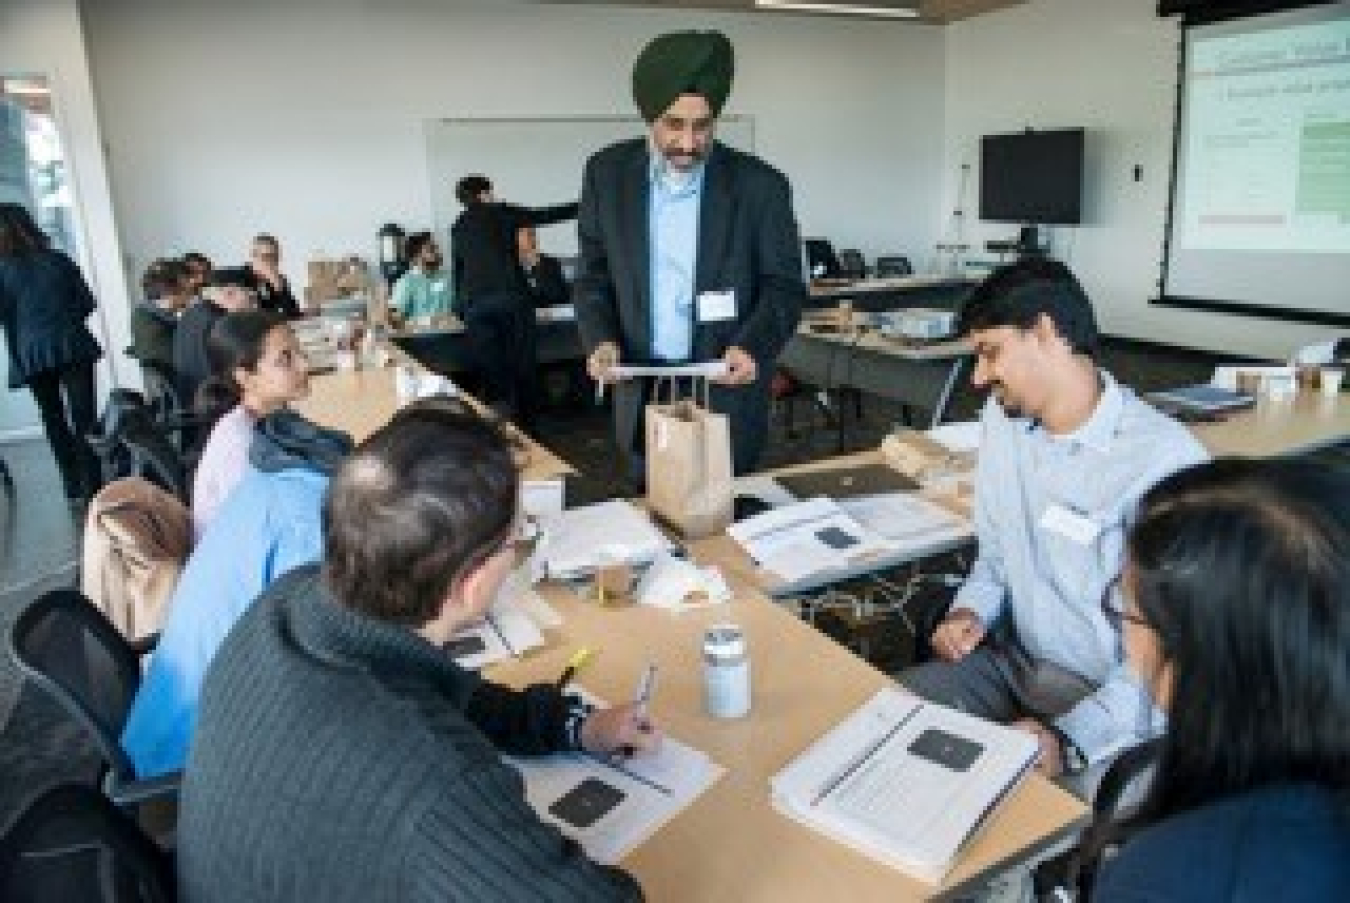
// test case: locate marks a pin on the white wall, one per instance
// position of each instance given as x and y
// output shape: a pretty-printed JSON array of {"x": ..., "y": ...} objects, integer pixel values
[
  {"x": 304, "y": 118},
  {"x": 1110, "y": 66},
  {"x": 45, "y": 37}
]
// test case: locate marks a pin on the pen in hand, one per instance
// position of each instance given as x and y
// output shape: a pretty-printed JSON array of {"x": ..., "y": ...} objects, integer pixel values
[{"x": 646, "y": 687}]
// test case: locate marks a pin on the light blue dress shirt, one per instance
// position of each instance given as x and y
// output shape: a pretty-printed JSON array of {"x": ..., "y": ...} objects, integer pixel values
[
  {"x": 673, "y": 211},
  {"x": 1050, "y": 584},
  {"x": 269, "y": 524}
]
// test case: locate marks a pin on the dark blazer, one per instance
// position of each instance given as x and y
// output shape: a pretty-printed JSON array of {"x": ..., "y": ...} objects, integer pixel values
[
  {"x": 548, "y": 285},
  {"x": 1287, "y": 842},
  {"x": 44, "y": 302},
  {"x": 747, "y": 242},
  {"x": 483, "y": 247},
  {"x": 280, "y": 300}
]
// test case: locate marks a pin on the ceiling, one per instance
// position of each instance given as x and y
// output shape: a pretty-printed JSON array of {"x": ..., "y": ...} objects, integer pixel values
[{"x": 939, "y": 11}]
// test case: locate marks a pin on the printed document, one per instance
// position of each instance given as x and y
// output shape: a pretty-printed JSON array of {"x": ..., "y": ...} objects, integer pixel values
[
  {"x": 611, "y": 805},
  {"x": 805, "y": 539},
  {"x": 578, "y": 540},
  {"x": 905, "y": 781}
]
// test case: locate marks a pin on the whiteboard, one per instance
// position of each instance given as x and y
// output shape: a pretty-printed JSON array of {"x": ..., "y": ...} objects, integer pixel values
[{"x": 535, "y": 162}]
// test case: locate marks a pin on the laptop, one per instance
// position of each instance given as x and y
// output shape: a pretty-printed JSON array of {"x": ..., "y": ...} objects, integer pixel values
[{"x": 847, "y": 482}]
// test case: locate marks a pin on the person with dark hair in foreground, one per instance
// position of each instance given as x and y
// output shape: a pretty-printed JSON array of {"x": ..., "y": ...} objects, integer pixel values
[
  {"x": 1234, "y": 614},
  {"x": 340, "y": 753},
  {"x": 44, "y": 302},
  {"x": 1065, "y": 453}
]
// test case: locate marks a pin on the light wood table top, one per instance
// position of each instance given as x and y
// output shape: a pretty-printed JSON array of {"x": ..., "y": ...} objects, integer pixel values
[
  {"x": 1306, "y": 422},
  {"x": 731, "y": 844},
  {"x": 359, "y": 402}
]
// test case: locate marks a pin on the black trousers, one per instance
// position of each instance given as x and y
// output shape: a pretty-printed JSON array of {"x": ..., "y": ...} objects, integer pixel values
[
  {"x": 504, "y": 342},
  {"x": 65, "y": 399}
]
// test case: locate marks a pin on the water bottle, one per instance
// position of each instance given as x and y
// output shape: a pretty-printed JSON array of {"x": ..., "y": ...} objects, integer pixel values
[{"x": 726, "y": 672}]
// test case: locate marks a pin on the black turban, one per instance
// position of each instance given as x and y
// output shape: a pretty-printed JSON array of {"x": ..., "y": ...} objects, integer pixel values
[{"x": 683, "y": 62}]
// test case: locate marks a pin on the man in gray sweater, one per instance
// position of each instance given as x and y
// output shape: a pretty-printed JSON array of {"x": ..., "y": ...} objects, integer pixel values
[{"x": 340, "y": 754}]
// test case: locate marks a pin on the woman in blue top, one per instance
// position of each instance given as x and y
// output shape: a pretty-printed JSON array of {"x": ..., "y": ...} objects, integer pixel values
[
  {"x": 44, "y": 302},
  {"x": 1236, "y": 616}
]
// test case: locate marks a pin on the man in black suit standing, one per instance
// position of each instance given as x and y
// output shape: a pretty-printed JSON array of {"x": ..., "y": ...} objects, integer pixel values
[
  {"x": 689, "y": 249},
  {"x": 493, "y": 296}
]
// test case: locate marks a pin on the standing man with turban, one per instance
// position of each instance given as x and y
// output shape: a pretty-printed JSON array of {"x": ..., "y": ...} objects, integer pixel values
[{"x": 689, "y": 249}]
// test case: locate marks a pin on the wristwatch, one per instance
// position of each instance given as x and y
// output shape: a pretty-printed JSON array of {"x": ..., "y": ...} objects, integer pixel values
[{"x": 1073, "y": 759}]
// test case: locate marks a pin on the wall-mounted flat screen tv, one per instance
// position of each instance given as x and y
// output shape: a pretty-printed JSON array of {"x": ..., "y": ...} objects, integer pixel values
[{"x": 1034, "y": 178}]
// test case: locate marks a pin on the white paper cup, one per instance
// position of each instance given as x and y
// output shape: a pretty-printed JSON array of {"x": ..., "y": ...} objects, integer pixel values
[{"x": 1332, "y": 377}]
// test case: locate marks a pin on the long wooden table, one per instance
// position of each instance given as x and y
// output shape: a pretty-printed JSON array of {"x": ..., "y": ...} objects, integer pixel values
[
  {"x": 730, "y": 844},
  {"x": 359, "y": 402},
  {"x": 1306, "y": 422}
]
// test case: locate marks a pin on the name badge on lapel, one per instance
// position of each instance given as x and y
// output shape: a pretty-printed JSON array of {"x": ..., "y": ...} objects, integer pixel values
[
  {"x": 1072, "y": 525},
  {"x": 716, "y": 306}
]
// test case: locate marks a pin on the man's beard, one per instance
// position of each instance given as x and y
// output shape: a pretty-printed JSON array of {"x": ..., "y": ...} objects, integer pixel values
[{"x": 679, "y": 162}]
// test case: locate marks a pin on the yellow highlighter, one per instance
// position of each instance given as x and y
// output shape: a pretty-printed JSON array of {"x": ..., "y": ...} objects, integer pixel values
[{"x": 579, "y": 660}]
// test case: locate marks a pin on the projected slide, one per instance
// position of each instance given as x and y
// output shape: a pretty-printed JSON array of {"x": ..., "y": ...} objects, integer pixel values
[{"x": 1266, "y": 142}]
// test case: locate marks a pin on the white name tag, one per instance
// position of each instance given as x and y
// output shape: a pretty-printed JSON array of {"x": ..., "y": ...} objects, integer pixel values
[
  {"x": 1071, "y": 525},
  {"x": 715, "y": 306}
]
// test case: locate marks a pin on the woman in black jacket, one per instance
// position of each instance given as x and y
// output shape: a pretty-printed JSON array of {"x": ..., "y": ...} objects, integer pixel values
[{"x": 44, "y": 302}]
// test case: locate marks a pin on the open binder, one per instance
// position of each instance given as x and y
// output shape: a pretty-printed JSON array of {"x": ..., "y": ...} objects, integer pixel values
[{"x": 904, "y": 781}]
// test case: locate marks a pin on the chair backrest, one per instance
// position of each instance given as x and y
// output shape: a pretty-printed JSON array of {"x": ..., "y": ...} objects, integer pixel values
[
  {"x": 72, "y": 843},
  {"x": 893, "y": 265},
  {"x": 132, "y": 441},
  {"x": 64, "y": 645},
  {"x": 852, "y": 264},
  {"x": 820, "y": 258},
  {"x": 161, "y": 390}
]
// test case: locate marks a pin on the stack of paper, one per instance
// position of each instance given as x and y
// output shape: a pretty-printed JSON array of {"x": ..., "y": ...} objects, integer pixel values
[
  {"x": 904, "y": 520},
  {"x": 904, "y": 781},
  {"x": 609, "y": 806},
  {"x": 805, "y": 538},
  {"x": 578, "y": 540}
]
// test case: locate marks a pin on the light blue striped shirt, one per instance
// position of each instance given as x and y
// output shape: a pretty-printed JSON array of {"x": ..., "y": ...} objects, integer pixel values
[
  {"x": 1050, "y": 585},
  {"x": 673, "y": 226}
]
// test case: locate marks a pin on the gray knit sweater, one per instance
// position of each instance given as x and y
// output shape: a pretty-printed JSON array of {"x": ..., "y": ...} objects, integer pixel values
[{"x": 338, "y": 758}]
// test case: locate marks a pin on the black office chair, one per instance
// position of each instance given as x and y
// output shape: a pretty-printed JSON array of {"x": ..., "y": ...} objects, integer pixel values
[
  {"x": 131, "y": 442},
  {"x": 821, "y": 261},
  {"x": 852, "y": 264},
  {"x": 1071, "y": 875},
  {"x": 892, "y": 265},
  {"x": 67, "y": 648},
  {"x": 72, "y": 843}
]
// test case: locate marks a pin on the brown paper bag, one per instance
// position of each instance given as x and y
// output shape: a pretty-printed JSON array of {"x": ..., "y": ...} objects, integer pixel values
[{"x": 689, "y": 468}]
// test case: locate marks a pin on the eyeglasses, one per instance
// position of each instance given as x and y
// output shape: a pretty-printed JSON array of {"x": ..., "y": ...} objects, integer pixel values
[
  {"x": 1113, "y": 607},
  {"x": 522, "y": 541}
]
